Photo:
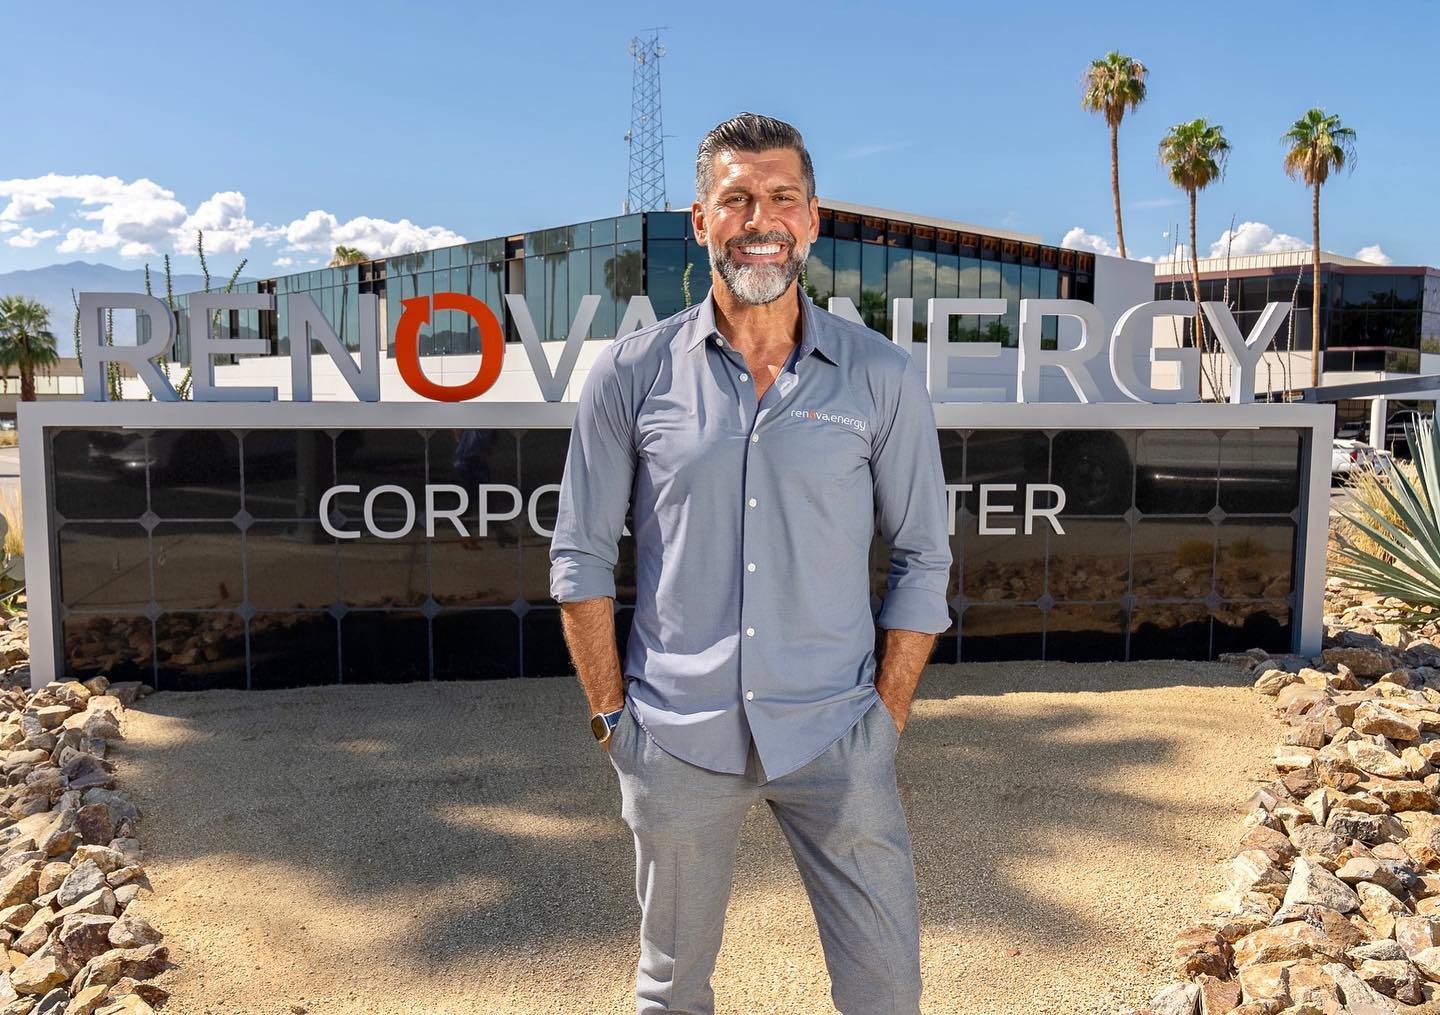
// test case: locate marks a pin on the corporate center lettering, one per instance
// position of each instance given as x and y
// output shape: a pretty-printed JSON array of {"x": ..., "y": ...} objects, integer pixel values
[{"x": 249, "y": 544}]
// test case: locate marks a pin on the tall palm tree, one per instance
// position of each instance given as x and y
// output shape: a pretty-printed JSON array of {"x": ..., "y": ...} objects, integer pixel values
[
  {"x": 347, "y": 255},
  {"x": 1114, "y": 86},
  {"x": 26, "y": 342},
  {"x": 1317, "y": 145},
  {"x": 1195, "y": 152}
]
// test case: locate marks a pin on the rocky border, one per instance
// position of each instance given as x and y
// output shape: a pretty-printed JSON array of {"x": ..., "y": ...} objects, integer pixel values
[
  {"x": 71, "y": 869},
  {"x": 1332, "y": 898}
]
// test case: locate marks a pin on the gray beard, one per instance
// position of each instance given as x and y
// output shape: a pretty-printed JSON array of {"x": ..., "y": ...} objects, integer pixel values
[{"x": 759, "y": 284}]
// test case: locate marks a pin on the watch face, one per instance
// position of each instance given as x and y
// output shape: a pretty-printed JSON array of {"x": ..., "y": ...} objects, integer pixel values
[{"x": 598, "y": 727}]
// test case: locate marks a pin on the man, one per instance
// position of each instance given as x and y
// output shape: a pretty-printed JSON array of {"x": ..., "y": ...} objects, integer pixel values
[{"x": 760, "y": 441}]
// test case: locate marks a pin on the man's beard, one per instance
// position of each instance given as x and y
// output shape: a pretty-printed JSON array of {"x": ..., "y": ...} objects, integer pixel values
[{"x": 758, "y": 284}]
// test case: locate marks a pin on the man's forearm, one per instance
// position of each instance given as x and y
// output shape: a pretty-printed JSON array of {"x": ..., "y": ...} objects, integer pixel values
[
  {"x": 903, "y": 659},
  {"x": 589, "y": 628}
]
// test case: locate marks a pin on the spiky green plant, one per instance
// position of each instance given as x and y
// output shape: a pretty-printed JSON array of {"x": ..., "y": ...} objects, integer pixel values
[{"x": 1407, "y": 566}]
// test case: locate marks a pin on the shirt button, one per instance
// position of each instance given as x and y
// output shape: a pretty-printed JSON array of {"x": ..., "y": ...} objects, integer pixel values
[
  {"x": 744, "y": 377},
  {"x": 749, "y": 632},
  {"x": 753, "y": 502},
  {"x": 754, "y": 438},
  {"x": 749, "y": 695},
  {"x": 749, "y": 567},
  {"x": 719, "y": 341}
]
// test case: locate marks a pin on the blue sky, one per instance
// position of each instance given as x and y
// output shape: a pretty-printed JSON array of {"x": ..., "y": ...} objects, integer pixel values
[{"x": 283, "y": 128}]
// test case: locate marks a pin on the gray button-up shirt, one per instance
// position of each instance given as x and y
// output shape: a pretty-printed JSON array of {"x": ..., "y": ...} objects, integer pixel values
[{"x": 753, "y": 526}]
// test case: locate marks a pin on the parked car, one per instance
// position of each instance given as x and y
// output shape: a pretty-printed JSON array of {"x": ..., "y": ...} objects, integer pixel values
[
  {"x": 1395, "y": 429},
  {"x": 1349, "y": 456}
]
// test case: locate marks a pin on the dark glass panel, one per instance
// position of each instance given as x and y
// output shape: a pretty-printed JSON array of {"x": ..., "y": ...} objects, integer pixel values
[
  {"x": 475, "y": 568},
  {"x": 1260, "y": 471},
  {"x": 1173, "y": 558},
  {"x": 1170, "y": 631},
  {"x": 544, "y": 644},
  {"x": 1000, "y": 456},
  {"x": 923, "y": 289},
  {"x": 199, "y": 651},
  {"x": 1241, "y": 626},
  {"x": 1176, "y": 471},
  {"x": 1257, "y": 558},
  {"x": 194, "y": 473},
  {"x": 602, "y": 284},
  {"x": 1000, "y": 568},
  {"x": 384, "y": 647},
  {"x": 626, "y": 277},
  {"x": 535, "y": 293},
  {"x": 947, "y": 276},
  {"x": 119, "y": 646},
  {"x": 602, "y": 232},
  {"x": 1369, "y": 292},
  {"x": 820, "y": 272},
  {"x": 992, "y": 633},
  {"x": 1407, "y": 292},
  {"x": 1091, "y": 560},
  {"x": 290, "y": 566},
  {"x": 898, "y": 270},
  {"x": 557, "y": 296},
  {"x": 1090, "y": 632},
  {"x": 664, "y": 274},
  {"x": 293, "y": 650},
  {"x": 198, "y": 565},
  {"x": 666, "y": 225},
  {"x": 104, "y": 564},
  {"x": 872, "y": 286},
  {"x": 847, "y": 270},
  {"x": 578, "y": 272},
  {"x": 628, "y": 229},
  {"x": 476, "y": 644},
  {"x": 99, "y": 473},
  {"x": 1096, "y": 469}
]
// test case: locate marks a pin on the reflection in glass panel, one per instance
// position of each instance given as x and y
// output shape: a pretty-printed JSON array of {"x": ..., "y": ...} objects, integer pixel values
[
  {"x": 1173, "y": 558},
  {"x": 625, "y": 276},
  {"x": 994, "y": 633},
  {"x": 194, "y": 473},
  {"x": 1003, "y": 568},
  {"x": 1001, "y": 456},
  {"x": 602, "y": 232},
  {"x": 99, "y": 473},
  {"x": 199, "y": 651},
  {"x": 1091, "y": 561},
  {"x": 1257, "y": 558},
  {"x": 103, "y": 565},
  {"x": 1096, "y": 470},
  {"x": 1170, "y": 631},
  {"x": 286, "y": 472},
  {"x": 384, "y": 647},
  {"x": 1086, "y": 632},
  {"x": 898, "y": 271},
  {"x": 1241, "y": 626},
  {"x": 923, "y": 289},
  {"x": 198, "y": 565},
  {"x": 628, "y": 229},
  {"x": 847, "y": 270},
  {"x": 820, "y": 271},
  {"x": 872, "y": 286},
  {"x": 1176, "y": 471},
  {"x": 602, "y": 272},
  {"x": 120, "y": 646},
  {"x": 1260, "y": 471},
  {"x": 476, "y": 568},
  {"x": 578, "y": 273},
  {"x": 664, "y": 276},
  {"x": 947, "y": 276},
  {"x": 557, "y": 290},
  {"x": 293, "y": 650},
  {"x": 535, "y": 294},
  {"x": 476, "y": 644}
]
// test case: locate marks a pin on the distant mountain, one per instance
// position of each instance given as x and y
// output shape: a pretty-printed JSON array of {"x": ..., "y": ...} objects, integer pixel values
[{"x": 53, "y": 284}]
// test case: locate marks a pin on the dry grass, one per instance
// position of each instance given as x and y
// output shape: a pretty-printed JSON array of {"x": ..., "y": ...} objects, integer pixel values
[
  {"x": 10, "y": 505},
  {"x": 9, "y": 439},
  {"x": 1365, "y": 486}
]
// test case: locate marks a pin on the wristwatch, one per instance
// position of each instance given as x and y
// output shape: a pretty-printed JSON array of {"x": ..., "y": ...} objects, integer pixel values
[{"x": 602, "y": 724}]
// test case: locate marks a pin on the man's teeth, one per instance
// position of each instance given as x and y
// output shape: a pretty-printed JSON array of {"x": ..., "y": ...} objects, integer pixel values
[{"x": 770, "y": 248}]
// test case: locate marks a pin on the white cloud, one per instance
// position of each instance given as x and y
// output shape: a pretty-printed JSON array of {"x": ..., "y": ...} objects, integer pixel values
[
  {"x": 28, "y": 237},
  {"x": 1255, "y": 238},
  {"x": 140, "y": 218},
  {"x": 1374, "y": 255},
  {"x": 284, "y": 262},
  {"x": 321, "y": 231},
  {"x": 1078, "y": 239}
]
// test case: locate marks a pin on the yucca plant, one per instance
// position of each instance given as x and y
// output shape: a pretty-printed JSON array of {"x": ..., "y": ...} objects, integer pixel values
[{"x": 1407, "y": 564}]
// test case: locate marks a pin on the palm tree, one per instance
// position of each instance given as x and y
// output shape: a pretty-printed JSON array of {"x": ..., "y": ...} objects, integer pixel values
[
  {"x": 1114, "y": 86},
  {"x": 347, "y": 255},
  {"x": 1194, "y": 153},
  {"x": 26, "y": 343},
  {"x": 1317, "y": 144}
]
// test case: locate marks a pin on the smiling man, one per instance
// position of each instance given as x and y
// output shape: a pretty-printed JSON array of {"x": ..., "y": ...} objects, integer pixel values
[{"x": 759, "y": 442}]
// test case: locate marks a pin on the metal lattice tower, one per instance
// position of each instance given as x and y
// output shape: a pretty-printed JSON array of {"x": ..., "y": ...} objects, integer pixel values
[{"x": 645, "y": 138}]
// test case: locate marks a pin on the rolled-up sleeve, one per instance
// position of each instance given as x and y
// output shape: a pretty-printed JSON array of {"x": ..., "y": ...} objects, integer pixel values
[
  {"x": 595, "y": 489},
  {"x": 911, "y": 514}
]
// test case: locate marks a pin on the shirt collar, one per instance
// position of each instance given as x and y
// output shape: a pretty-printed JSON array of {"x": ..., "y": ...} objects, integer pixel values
[{"x": 815, "y": 335}]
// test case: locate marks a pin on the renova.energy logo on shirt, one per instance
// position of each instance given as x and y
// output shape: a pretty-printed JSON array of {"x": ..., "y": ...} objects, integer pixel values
[{"x": 829, "y": 417}]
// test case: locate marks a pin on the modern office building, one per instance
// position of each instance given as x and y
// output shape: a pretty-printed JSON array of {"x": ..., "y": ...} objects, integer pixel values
[
  {"x": 1377, "y": 322},
  {"x": 872, "y": 256}
]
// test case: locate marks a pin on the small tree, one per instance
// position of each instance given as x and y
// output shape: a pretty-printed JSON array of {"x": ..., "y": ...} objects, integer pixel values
[
  {"x": 1195, "y": 153},
  {"x": 347, "y": 255},
  {"x": 26, "y": 342},
  {"x": 1114, "y": 86}
]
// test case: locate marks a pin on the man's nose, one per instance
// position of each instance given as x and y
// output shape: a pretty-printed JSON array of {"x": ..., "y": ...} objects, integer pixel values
[{"x": 761, "y": 218}]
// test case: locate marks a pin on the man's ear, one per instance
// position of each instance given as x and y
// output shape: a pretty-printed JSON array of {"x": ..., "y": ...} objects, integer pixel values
[
  {"x": 814, "y": 219},
  {"x": 697, "y": 222}
]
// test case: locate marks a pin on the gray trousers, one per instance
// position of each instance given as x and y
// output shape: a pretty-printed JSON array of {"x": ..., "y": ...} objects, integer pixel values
[{"x": 842, "y": 817}]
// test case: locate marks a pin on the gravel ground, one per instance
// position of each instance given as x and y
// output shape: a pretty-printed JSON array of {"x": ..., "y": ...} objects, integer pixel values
[{"x": 457, "y": 848}]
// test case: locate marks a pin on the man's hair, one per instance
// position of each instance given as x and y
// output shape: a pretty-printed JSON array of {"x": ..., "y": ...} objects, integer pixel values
[{"x": 748, "y": 132}]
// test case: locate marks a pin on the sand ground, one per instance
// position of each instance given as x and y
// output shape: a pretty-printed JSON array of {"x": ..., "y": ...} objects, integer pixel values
[{"x": 455, "y": 848}]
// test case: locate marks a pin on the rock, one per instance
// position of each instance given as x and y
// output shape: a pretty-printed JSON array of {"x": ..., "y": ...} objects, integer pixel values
[
  {"x": 1406, "y": 795},
  {"x": 1359, "y": 997},
  {"x": 133, "y": 931},
  {"x": 1253, "y": 871},
  {"x": 1428, "y": 962},
  {"x": 1380, "y": 907},
  {"x": 1313, "y": 885},
  {"x": 1273, "y": 678},
  {"x": 56, "y": 1002},
  {"x": 129, "y": 1004},
  {"x": 1381, "y": 951},
  {"x": 1366, "y": 662},
  {"x": 104, "y": 857},
  {"x": 1398, "y": 979},
  {"x": 143, "y": 963},
  {"x": 1266, "y": 981},
  {"x": 1276, "y": 844},
  {"x": 1313, "y": 840},
  {"x": 1297, "y": 697},
  {"x": 1288, "y": 759},
  {"x": 1371, "y": 828},
  {"x": 83, "y": 936},
  {"x": 1176, "y": 999},
  {"x": 37, "y": 975},
  {"x": 1417, "y": 933},
  {"x": 1199, "y": 950},
  {"x": 1217, "y": 997},
  {"x": 94, "y": 824},
  {"x": 1288, "y": 941},
  {"x": 21, "y": 884},
  {"x": 51, "y": 877},
  {"x": 85, "y": 879},
  {"x": 1376, "y": 760},
  {"x": 85, "y": 1002},
  {"x": 1372, "y": 717}
]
